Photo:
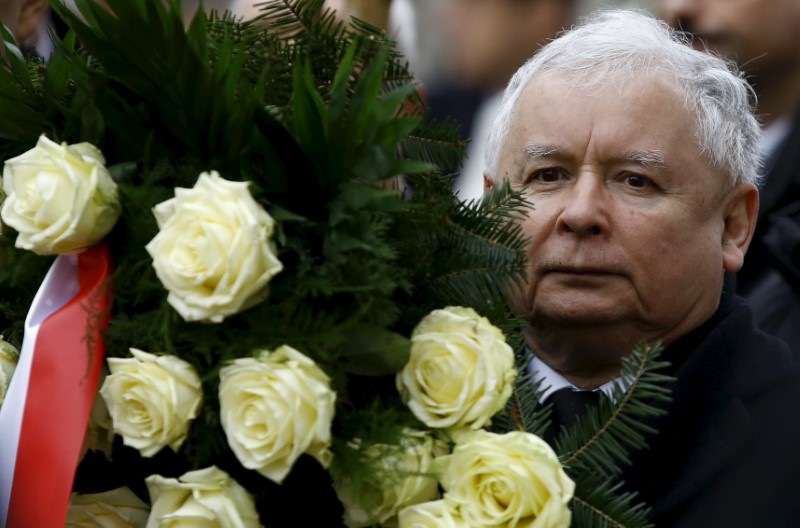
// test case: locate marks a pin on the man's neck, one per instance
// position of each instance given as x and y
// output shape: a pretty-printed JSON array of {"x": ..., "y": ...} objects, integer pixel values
[
  {"x": 588, "y": 379},
  {"x": 602, "y": 368}
]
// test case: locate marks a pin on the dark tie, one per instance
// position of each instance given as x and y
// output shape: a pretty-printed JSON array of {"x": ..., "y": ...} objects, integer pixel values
[{"x": 568, "y": 405}]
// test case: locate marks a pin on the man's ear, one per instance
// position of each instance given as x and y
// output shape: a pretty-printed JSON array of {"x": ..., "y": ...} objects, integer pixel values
[
  {"x": 30, "y": 15},
  {"x": 488, "y": 183},
  {"x": 741, "y": 211}
]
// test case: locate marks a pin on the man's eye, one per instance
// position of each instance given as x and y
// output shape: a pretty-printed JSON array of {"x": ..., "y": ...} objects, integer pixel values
[
  {"x": 636, "y": 181},
  {"x": 547, "y": 175}
]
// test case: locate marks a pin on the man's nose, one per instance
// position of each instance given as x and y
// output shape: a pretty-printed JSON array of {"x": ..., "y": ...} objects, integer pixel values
[{"x": 585, "y": 211}]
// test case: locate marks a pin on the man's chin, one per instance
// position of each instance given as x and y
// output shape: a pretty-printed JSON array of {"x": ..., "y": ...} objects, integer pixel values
[
  {"x": 578, "y": 320},
  {"x": 580, "y": 314}
]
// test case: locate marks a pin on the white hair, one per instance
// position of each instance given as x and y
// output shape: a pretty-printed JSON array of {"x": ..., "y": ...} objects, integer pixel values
[{"x": 622, "y": 44}]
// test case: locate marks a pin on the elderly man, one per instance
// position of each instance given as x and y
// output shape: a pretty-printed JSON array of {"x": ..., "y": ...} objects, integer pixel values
[{"x": 640, "y": 156}]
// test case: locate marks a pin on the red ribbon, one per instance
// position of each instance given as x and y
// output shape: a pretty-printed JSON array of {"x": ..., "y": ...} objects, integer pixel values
[{"x": 63, "y": 384}]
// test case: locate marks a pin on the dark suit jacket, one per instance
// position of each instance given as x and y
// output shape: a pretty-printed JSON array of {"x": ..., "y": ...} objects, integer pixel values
[
  {"x": 770, "y": 277},
  {"x": 728, "y": 453}
]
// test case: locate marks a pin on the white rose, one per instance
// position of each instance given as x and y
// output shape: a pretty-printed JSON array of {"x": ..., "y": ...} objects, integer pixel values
[
  {"x": 151, "y": 400},
  {"x": 404, "y": 478},
  {"x": 434, "y": 514},
  {"x": 510, "y": 480},
  {"x": 8, "y": 363},
  {"x": 460, "y": 371},
  {"x": 118, "y": 508},
  {"x": 274, "y": 408},
  {"x": 214, "y": 252},
  {"x": 59, "y": 198},
  {"x": 206, "y": 497}
]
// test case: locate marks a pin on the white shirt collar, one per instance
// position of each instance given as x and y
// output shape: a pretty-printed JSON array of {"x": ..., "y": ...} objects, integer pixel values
[{"x": 553, "y": 381}]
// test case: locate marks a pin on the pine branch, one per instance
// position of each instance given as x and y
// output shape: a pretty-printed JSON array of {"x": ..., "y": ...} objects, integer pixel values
[
  {"x": 601, "y": 439},
  {"x": 502, "y": 201},
  {"x": 484, "y": 254},
  {"x": 435, "y": 142},
  {"x": 303, "y": 21},
  {"x": 598, "y": 504}
]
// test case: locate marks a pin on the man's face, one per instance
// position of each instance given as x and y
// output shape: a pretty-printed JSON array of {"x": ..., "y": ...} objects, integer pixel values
[
  {"x": 757, "y": 34},
  {"x": 626, "y": 234}
]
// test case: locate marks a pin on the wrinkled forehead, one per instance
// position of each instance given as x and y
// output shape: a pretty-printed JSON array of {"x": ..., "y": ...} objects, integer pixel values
[
  {"x": 559, "y": 87},
  {"x": 631, "y": 117},
  {"x": 630, "y": 88}
]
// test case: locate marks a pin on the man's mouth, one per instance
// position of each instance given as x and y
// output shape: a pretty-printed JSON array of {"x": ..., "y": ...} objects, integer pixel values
[{"x": 582, "y": 270}]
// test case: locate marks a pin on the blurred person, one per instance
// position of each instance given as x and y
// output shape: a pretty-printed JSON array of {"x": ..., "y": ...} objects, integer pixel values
[
  {"x": 761, "y": 37},
  {"x": 487, "y": 40},
  {"x": 492, "y": 38},
  {"x": 24, "y": 20}
]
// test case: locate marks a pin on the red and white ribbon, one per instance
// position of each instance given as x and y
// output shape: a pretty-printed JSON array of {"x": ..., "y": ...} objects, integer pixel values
[{"x": 46, "y": 410}]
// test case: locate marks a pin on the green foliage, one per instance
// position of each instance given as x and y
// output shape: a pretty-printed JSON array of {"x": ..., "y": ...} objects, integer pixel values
[
  {"x": 20, "y": 276},
  {"x": 324, "y": 121},
  {"x": 600, "y": 504}
]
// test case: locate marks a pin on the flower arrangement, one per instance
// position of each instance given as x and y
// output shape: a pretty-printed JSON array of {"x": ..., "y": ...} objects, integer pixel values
[{"x": 298, "y": 305}]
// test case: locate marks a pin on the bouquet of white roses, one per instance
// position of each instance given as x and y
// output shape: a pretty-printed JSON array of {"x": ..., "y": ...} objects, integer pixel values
[{"x": 253, "y": 221}]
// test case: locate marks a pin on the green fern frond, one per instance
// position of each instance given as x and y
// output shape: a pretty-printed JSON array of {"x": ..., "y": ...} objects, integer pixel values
[
  {"x": 435, "y": 142},
  {"x": 602, "y": 504},
  {"x": 601, "y": 440},
  {"x": 496, "y": 248},
  {"x": 303, "y": 21}
]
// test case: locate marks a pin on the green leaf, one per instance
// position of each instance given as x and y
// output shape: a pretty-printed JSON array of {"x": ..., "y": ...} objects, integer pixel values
[
  {"x": 281, "y": 214},
  {"x": 373, "y": 351},
  {"x": 310, "y": 113},
  {"x": 57, "y": 75},
  {"x": 122, "y": 172}
]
